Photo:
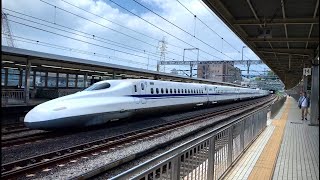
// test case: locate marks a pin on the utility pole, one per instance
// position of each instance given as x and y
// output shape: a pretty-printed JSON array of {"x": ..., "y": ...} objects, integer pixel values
[
  {"x": 191, "y": 64},
  {"x": 248, "y": 63}
]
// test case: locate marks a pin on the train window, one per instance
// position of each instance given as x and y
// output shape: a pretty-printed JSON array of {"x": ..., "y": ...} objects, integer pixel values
[
  {"x": 162, "y": 91},
  {"x": 142, "y": 86},
  {"x": 135, "y": 88},
  {"x": 157, "y": 90},
  {"x": 170, "y": 91},
  {"x": 188, "y": 91},
  {"x": 185, "y": 91},
  {"x": 99, "y": 87},
  {"x": 151, "y": 90},
  {"x": 178, "y": 91},
  {"x": 167, "y": 90},
  {"x": 174, "y": 91}
]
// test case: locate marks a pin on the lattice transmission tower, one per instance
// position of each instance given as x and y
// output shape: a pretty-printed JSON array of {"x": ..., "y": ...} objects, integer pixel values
[
  {"x": 162, "y": 47},
  {"x": 6, "y": 30}
]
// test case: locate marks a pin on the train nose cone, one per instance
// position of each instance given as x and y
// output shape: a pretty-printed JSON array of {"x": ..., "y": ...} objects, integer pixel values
[{"x": 37, "y": 119}]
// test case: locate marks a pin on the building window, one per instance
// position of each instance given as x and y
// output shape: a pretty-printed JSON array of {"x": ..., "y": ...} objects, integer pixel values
[
  {"x": 72, "y": 80},
  {"x": 62, "y": 80},
  {"x": 40, "y": 79},
  {"x": 52, "y": 79},
  {"x": 80, "y": 81},
  {"x": 89, "y": 79},
  {"x": 13, "y": 77}
]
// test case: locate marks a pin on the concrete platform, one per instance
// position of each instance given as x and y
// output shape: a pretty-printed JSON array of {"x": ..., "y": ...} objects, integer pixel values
[{"x": 287, "y": 149}]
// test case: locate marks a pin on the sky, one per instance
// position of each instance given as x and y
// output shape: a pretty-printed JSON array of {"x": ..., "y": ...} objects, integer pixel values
[{"x": 112, "y": 31}]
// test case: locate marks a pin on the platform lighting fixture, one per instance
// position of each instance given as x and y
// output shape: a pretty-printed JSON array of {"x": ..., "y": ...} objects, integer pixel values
[
  {"x": 101, "y": 72},
  {"x": 20, "y": 64},
  {"x": 10, "y": 68},
  {"x": 71, "y": 69},
  {"x": 86, "y": 70},
  {"x": 55, "y": 67},
  {"x": 7, "y": 62},
  {"x": 33, "y": 66}
]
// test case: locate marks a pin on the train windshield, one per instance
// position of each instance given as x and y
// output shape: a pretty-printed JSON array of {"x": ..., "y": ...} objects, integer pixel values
[{"x": 98, "y": 87}]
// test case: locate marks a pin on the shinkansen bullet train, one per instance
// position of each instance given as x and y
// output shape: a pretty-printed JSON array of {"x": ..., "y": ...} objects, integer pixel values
[{"x": 112, "y": 100}]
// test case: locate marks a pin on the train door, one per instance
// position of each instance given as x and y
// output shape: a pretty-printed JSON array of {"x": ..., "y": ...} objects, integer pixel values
[
  {"x": 207, "y": 94},
  {"x": 143, "y": 92}
]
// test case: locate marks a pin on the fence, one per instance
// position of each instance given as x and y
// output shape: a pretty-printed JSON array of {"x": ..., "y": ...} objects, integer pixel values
[
  {"x": 276, "y": 106},
  {"x": 206, "y": 157},
  {"x": 12, "y": 96}
]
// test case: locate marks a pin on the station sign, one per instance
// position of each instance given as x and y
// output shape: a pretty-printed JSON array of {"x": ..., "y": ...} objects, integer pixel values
[{"x": 306, "y": 71}]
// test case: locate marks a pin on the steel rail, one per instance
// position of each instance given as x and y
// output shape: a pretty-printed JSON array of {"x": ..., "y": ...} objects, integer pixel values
[{"x": 19, "y": 167}]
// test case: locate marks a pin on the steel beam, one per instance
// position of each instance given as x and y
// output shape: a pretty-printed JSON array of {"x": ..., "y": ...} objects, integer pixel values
[
  {"x": 255, "y": 22},
  {"x": 285, "y": 50},
  {"x": 282, "y": 39}
]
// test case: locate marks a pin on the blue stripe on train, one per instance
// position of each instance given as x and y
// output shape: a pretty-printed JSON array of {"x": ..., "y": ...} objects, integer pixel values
[{"x": 157, "y": 96}]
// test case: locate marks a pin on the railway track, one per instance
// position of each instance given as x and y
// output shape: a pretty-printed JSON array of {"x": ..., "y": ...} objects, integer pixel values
[
  {"x": 35, "y": 163},
  {"x": 17, "y": 130},
  {"x": 17, "y": 140},
  {"x": 13, "y": 126}
]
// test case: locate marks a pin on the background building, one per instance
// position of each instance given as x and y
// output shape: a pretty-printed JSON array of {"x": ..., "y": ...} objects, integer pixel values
[{"x": 224, "y": 72}]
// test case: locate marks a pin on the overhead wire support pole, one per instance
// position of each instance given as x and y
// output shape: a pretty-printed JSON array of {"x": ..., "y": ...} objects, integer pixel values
[{"x": 191, "y": 64}]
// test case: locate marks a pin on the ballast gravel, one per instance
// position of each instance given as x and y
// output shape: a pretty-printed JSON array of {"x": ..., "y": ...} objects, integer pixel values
[{"x": 72, "y": 170}]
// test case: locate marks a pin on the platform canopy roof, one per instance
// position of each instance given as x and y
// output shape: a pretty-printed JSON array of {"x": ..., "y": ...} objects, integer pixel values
[{"x": 294, "y": 25}]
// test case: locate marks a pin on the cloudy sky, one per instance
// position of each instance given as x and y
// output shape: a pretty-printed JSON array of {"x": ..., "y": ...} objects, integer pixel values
[{"x": 124, "y": 32}]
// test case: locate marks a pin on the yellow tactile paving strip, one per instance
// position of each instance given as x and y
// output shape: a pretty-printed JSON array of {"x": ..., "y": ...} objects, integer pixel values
[{"x": 264, "y": 167}]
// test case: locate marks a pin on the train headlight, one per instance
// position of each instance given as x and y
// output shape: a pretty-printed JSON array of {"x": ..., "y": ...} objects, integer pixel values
[{"x": 60, "y": 108}]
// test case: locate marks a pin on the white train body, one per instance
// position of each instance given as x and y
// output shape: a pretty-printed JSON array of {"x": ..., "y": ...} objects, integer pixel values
[{"x": 116, "y": 99}]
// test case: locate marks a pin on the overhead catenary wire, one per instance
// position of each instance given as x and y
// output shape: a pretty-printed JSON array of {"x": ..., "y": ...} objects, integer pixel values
[
  {"x": 92, "y": 38},
  {"x": 98, "y": 23},
  {"x": 37, "y": 42},
  {"x": 92, "y": 35},
  {"x": 204, "y": 5},
  {"x": 207, "y": 26},
  {"x": 117, "y": 23},
  {"x": 79, "y": 40},
  {"x": 162, "y": 29},
  {"x": 180, "y": 28}
]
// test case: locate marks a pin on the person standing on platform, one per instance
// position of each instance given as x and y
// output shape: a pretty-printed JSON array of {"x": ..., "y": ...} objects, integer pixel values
[{"x": 304, "y": 103}]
